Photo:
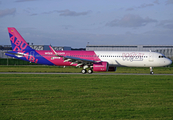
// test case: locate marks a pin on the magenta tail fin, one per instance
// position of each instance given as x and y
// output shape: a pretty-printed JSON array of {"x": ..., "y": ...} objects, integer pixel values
[{"x": 17, "y": 41}]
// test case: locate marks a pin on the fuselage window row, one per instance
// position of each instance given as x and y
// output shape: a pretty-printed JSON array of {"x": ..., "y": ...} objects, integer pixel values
[{"x": 124, "y": 56}]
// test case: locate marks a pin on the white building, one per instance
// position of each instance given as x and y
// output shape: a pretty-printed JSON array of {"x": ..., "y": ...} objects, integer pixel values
[
  {"x": 167, "y": 50},
  {"x": 6, "y": 48}
]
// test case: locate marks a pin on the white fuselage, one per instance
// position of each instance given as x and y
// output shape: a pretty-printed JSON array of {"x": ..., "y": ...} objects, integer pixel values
[{"x": 134, "y": 58}]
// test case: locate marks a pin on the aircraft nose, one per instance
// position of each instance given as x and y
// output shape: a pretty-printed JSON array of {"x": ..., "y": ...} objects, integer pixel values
[{"x": 168, "y": 62}]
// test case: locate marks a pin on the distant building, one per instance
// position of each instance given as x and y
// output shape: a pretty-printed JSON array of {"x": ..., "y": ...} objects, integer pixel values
[
  {"x": 46, "y": 47},
  {"x": 167, "y": 50},
  {"x": 6, "y": 48}
]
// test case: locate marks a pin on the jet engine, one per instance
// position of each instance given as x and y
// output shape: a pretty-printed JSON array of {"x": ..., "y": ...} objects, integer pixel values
[{"x": 102, "y": 67}]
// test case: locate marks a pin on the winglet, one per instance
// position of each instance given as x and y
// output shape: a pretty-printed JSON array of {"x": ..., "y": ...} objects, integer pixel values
[
  {"x": 53, "y": 50},
  {"x": 56, "y": 54}
]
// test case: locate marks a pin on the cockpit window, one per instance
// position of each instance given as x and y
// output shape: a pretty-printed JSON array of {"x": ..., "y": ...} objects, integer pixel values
[{"x": 162, "y": 56}]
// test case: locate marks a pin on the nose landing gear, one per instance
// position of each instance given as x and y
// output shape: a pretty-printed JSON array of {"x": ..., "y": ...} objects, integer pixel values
[{"x": 151, "y": 71}]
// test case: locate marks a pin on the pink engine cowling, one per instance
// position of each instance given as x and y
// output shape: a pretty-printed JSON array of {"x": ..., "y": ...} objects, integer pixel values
[{"x": 101, "y": 66}]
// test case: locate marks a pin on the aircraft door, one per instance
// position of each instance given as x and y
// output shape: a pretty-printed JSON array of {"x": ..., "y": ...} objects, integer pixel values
[{"x": 151, "y": 57}]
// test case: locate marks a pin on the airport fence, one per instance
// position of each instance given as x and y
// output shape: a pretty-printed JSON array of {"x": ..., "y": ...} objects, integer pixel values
[{"x": 10, "y": 61}]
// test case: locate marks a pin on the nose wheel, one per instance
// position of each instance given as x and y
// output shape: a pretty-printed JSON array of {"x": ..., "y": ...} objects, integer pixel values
[{"x": 151, "y": 71}]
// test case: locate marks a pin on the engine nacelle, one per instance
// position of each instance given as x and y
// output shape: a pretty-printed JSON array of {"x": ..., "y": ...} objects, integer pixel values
[{"x": 101, "y": 66}]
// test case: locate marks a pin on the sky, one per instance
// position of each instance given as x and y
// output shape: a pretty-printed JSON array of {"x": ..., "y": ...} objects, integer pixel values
[{"x": 77, "y": 23}]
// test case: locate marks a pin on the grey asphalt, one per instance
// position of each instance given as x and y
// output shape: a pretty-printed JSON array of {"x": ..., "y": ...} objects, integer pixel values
[{"x": 81, "y": 73}]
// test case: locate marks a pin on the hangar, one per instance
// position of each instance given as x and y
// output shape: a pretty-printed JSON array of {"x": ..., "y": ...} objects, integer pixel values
[
  {"x": 6, "y": 48},
  {"x": 167, "y": 50}
]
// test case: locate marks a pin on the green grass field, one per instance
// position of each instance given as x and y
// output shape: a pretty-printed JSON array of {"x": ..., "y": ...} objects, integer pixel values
[{"x": 27, "y": 97}]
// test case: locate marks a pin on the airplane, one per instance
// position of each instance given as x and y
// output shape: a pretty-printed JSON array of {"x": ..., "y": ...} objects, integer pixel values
[{"x": 101, "y": 61}]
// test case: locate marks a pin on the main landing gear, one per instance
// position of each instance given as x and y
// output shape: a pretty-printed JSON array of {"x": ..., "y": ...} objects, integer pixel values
[
  {"x": 151, "y": 71},
  {"x": 84, "y": 71}
]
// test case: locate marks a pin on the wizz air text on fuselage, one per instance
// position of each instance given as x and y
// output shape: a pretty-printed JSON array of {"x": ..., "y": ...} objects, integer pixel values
[{"x": 133, "y": 56}]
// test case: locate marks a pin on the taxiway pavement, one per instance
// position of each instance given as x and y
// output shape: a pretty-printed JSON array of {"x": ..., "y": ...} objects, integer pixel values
[{"x": 82, "y": 74}]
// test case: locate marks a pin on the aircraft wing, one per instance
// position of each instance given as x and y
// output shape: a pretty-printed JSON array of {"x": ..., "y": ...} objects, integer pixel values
[
  {"x": 78, "y": 61},
  {"x": 74, "y": 60}
]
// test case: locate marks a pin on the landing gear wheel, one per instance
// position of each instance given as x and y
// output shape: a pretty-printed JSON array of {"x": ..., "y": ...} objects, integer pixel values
[
  {"x": 151, "y": 72},
  {"x": 90, "y": 71},
  {"x": 83, "y": 71}
]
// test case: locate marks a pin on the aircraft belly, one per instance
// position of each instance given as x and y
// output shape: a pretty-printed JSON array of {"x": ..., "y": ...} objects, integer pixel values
[
  {"x": 140, "y": 64},
  {"x": 132, "y": 63}
]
